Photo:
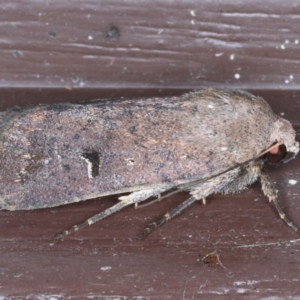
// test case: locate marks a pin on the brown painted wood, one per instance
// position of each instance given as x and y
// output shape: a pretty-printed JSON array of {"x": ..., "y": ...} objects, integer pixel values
[{"x": 59, "y": 51}]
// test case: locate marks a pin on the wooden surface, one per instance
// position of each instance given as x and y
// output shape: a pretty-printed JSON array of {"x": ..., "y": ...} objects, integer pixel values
[{"x": 59, "y": 51}]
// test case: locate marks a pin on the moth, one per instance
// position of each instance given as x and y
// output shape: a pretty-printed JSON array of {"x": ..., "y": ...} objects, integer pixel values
[{"x": 204, "y": 142}]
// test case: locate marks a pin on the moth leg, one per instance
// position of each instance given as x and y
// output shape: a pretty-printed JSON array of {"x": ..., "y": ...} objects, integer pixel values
[
  {"x": 199, "y": 192},
  {"x": 269, "y": 191},
  {"x": 132, "y": 198},
  {"x": 204, "y": 201},
  {"x": 168, "y": 216}
]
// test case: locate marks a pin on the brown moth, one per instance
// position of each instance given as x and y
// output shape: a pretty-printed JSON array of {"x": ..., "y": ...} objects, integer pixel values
[{"x": 204, "y": 142}]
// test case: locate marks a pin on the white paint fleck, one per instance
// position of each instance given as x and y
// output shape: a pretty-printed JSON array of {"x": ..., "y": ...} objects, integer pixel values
[
  {"x": 90, "y": 37},
  {"x": 239, "y": 283},
  {"x": 248, "y": 282},
  {"x": 282, "y": 46},
  {"x": 232, "y": 56},
  {"x": 160, "y": 31},
  {"x": 210, "y": 106},
  {"x": 237, "y": 76},
  {"x": 241, "y": 291},
  {"x": 297, "y": 41},
  {"x": 193, "y": 22},
  {"x": 106, "y": 268},
  {"x": 223, "y": 148},
  {"x": 282, "y": 113},
  {"x": 291, "y": 77},
  {"x": 193, "y": 13},
  {"x": 292, "y": 181},
  {"x": 286, "y": 81},
  {"x": 219, "y": 54},
  {"x": 81, "y": 84},
  {"x": 286, "y": 42}
]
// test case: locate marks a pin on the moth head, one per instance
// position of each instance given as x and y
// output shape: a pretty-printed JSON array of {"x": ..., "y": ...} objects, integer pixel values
[{"x": 285, "y": 146}]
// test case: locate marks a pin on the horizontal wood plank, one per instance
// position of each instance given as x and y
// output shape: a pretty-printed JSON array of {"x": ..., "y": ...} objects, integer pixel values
[{"x": 159, "y": 44}]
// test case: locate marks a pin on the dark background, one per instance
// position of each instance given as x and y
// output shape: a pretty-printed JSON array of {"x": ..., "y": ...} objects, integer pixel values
[{"x": 66, "y": 51}]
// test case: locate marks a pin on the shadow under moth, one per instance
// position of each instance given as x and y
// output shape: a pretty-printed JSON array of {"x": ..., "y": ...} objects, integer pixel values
[{"x": 204, "y": 142}]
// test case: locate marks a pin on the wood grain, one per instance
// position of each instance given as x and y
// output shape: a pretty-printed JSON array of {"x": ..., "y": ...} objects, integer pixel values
[{"x": 160, "y": 44}]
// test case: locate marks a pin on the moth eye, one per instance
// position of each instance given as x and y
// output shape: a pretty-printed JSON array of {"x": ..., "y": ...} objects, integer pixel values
[{"x": 276, "y": 154}]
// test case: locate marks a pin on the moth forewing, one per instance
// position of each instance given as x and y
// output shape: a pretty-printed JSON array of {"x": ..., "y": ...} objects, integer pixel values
[{"x": 205, "y": 142}]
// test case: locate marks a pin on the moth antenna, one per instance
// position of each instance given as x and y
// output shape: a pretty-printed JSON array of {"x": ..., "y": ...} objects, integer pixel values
[
  {"x": 269, "y": 191},
  {"x": 160, "y": 198},
  {"x": 168, "y": 216},
  {"x": 196, "y": 182},
  {"x": 185, "y": 186},
  {"x": 178, "y": 190},
  {"x": 270, "y": 148}
]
